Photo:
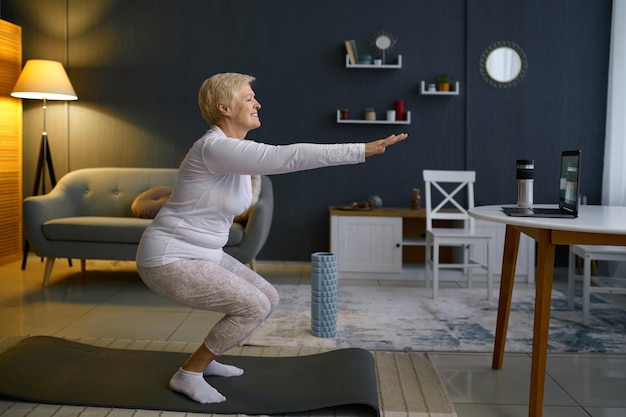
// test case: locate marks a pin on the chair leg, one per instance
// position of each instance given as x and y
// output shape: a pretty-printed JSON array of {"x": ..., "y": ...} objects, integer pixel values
[
  {"x": 48, "y": 271},
  {"x": 427, "y": 263},
  {"x": 490, "y": 245},
  {"x": 83, "y": 265},
  {"x": 435, "y": 270},
  {"x": 466, "y": 258},
  {"x": 571, "y": 279},
  {"x": 586, "y": 288}
]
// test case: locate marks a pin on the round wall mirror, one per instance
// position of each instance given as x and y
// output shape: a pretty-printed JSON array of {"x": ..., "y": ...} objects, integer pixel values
[{"x": 503, "y": 64}]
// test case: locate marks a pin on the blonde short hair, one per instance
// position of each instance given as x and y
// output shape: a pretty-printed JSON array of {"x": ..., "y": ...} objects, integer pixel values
[{"x": 220, "y": 89}]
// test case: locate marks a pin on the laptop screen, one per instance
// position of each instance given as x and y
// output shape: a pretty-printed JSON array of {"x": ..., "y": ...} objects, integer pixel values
[{"x": 570, "y": 177}]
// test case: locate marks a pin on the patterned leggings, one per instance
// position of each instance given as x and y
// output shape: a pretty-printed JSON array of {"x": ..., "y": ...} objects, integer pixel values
[{"x": 229, "y": 287}]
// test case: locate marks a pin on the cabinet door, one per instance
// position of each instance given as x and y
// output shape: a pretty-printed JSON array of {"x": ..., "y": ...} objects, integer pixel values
[{"x": 367, "y": 243}]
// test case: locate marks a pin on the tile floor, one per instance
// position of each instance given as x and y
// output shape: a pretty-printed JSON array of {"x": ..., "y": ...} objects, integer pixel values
[{"x": 109, "y": 301}]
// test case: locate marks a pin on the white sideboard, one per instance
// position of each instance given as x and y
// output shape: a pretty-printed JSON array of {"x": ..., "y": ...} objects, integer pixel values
[{"x": 369, "y": 244}]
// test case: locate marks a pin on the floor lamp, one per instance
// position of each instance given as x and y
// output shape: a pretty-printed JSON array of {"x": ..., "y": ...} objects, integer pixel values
[{"x": 43, "y": 80}]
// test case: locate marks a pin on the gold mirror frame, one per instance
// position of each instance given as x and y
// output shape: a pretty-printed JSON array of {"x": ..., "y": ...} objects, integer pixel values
[{"x": 517, "y": 67}]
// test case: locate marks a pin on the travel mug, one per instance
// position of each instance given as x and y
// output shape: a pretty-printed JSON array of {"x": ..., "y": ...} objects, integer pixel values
[{"x": 525, "y": 178}]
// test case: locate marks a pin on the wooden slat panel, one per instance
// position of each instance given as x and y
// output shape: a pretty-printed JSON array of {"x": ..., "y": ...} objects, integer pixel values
[{"x": 10, "y": 144}]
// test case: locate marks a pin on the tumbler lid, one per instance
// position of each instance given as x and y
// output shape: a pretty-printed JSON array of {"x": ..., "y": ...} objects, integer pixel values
[
  {"x": 525, "y": 169},
  {"x": 526, "y": 163}
]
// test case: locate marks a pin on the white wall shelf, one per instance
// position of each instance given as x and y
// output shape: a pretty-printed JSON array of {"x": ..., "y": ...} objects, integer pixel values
[
  {"x": 377, "y": 121},
  {"x": 424, "y": 91},
  {"x": 374, "y": 66}
]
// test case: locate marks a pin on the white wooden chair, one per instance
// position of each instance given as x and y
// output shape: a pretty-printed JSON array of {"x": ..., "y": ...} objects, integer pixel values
[
  {"x": 589, "y": 254},
  {"x": 451, "y": 186}
]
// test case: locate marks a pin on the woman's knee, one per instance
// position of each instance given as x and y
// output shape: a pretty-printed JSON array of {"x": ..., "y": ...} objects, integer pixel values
[
  {"x": 274, "y": 298},
  {"x": 265, "y": 308},
  {"x": 256, "y": 311}
]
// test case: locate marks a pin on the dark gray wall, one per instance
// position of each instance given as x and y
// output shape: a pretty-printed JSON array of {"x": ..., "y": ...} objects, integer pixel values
[{"x": 137, "y": 65}]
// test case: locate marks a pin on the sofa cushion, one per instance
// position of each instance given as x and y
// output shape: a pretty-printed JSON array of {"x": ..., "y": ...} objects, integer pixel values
[
  {"x": 256, "y": 192},
  {"x": 96, "y": 229},
  {"x": 235, "y": 235},
  {"x": 147, "y": 204}
]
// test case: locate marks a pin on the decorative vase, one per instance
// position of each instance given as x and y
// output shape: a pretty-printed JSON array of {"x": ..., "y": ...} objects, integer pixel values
[
  {"x": 416, "y": 199},
  {"x": 444, "y": 86},
  {"x": 375, "y": 201},
  {"x": 370, "y": 115},
  {"x": 365, "y": 59},
  {"x": 400, "y": 110}
]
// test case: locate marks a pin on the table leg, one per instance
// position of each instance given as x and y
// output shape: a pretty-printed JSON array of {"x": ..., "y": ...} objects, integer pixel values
[
  {"x": 509, "y": 262},
  {"x": 545, "y": 271}
]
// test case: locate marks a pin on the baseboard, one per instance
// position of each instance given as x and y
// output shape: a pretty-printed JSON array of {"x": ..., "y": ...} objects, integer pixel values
[
  {"x": 413, "y": 272},
  {"x": 283, "y": 266}
]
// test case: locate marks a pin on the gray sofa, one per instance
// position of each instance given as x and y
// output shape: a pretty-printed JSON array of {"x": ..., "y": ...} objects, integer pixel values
[{"x": 87, "y": 215}]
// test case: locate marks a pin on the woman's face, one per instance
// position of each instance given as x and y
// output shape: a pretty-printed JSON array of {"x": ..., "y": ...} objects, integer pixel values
[{"x": 244, "y": 114}]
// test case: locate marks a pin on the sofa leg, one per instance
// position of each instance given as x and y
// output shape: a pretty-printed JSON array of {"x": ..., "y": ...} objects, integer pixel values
[
  {"x": 83, "y": 265},
  {"x": 48, "y": 271},
  {"x": 253, "y": 264}
]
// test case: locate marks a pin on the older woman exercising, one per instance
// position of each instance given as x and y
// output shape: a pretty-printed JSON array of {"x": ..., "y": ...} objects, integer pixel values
[{"x": 181, "y": 255}]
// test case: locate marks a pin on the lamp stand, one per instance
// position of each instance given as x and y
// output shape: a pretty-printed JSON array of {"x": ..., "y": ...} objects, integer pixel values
[{"x": 44, "y": 161}]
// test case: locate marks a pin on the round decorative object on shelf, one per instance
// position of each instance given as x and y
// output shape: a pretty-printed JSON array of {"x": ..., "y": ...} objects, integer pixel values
[
  {"x": 383, "y": 41},
  {"x": 375, "y": 201}
]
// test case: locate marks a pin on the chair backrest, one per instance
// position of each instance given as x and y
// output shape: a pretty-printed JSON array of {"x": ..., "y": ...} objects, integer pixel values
[{"x": 450, "y": 186}]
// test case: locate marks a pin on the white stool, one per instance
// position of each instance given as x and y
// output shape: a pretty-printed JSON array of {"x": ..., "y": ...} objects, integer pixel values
[{"x": 589, "y": 253}]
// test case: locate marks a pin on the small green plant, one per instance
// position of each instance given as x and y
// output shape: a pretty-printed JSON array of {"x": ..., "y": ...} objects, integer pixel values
[
  {"x": 370, "y": 113},
  {"x": 444, "y": 79}
]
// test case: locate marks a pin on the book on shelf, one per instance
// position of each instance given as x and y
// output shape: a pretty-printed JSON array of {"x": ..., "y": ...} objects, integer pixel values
[{"x": 351, "y": 50}]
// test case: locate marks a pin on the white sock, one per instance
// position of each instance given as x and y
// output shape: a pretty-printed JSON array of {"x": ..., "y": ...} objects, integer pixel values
[
  {"x": 219, "y": 369},
  {"x": 193, "y": 385}
]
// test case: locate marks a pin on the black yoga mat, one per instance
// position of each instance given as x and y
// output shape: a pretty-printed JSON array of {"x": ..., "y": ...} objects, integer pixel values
[{"x": 51, "y": 370}]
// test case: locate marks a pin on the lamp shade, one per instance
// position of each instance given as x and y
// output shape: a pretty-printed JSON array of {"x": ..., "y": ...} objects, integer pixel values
[{"x": 41, "y": 79}]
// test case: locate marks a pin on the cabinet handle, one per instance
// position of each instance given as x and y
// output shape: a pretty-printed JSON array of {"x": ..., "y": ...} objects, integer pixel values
[{"x": 397, "y": 245}]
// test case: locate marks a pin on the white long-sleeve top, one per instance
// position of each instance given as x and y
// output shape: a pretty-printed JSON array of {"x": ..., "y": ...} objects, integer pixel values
[{"x": 213, "y": 186}]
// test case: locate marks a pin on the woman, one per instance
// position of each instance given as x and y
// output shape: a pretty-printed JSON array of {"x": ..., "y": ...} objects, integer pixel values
[{"x": 180, "y": 255}]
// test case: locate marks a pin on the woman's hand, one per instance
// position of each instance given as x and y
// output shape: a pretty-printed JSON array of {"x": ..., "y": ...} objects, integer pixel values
[{"x": 378, "y": 146}]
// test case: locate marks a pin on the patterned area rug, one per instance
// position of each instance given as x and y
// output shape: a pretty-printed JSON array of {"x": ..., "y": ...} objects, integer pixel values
[{"x": 407, "y": 319}]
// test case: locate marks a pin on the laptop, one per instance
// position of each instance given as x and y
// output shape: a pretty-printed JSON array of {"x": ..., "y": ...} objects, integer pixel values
[{"x": 568, "y": 192}]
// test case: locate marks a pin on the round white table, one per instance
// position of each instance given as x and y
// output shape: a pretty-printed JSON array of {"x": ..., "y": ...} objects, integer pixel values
[{"x": 595, "y": 225}]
